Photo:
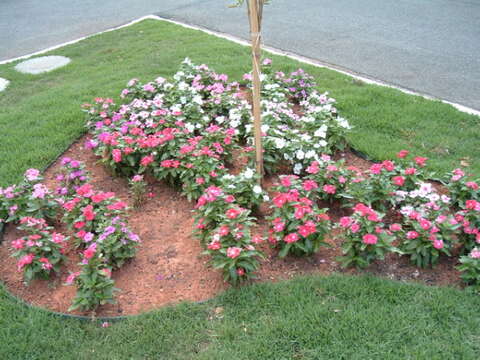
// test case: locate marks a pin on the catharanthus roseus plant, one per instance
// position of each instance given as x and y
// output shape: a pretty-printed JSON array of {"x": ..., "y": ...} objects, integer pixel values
[
  {"x": 461, "y": 188},
  {"x": 72, "y": 175},
  {"x": 470, "y": 268},
  {"x": 298, "y": 226},
  {"x": 41, "y": 252},
  {"x": 28, "y": 198},
  {"x": 426, "y": 234},
  {"x": 94, "y": 284},
  {"x": 469, "y": 219},
  {"x": 224, "y": 228},
  {"x": 138, "y": 190},
  {"x": 366, "y": 238}
]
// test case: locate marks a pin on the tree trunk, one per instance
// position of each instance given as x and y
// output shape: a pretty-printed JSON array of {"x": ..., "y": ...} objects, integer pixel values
[{"x": 255, "y": 10}]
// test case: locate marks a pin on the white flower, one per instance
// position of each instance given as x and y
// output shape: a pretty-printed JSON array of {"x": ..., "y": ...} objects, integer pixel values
[
  {"x": 343, "y": 123},
  {"x": 300, "y": 155},
  {"x": 176, "y": 107},
  {"x": 190, "y": 127},
  {"x": 287, "y": 156},
  {"x": 178, "y": 75},
  {"x": 321, "y": 131},
  {"x": 182, "y": 86},
  {"x": 322, "y": 143},
  {"x": 280, "y": 143},
  {"x": 248, "y": 128},
  {"x": 264, "y": 128},
  {"x": 198, "y": 100},
  {"x": 220, "y": 119},
  {"x": 309, "y": 154},
  {"x": 266, "y": 198},
  {"x": 257, "y": 189},
  {"x": 297, "y": 168},
  {"x": 183, "y": 99},
  {"x": 248, "y": 174},
  {"x": 234, "y": 123}
]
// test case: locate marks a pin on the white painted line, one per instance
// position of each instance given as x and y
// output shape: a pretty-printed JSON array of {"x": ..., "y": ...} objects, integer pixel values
[{"x": 269, "y": 49}]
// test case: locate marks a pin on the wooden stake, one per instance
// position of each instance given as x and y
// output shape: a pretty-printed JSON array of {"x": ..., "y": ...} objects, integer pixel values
[{"x": 255, "y": 8}]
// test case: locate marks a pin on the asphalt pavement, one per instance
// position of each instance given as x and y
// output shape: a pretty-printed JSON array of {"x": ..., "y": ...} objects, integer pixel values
[{"x": 429, "y": 46}]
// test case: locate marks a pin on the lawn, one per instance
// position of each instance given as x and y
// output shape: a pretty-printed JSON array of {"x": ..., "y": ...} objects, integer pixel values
[
  {"x": 306, "y": 318},
  {"x": 334, "y": 317}
]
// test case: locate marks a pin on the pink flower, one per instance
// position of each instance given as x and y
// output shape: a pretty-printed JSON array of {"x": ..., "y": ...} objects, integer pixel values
[
  {"x": 117, "y": 155},
  {"x": 472, "y": 205},
  {"x": 232, "y": 213},
  {"x": 71, "y": 278},
  {"x": 412, "y": 235},
  {"x": 355, "y": 227},
  {"x": 214, "y": 245},
  {"x": 475, "y": 253},
  {"x": 119, "y": 205},
  {"x": 240, "y": 271},
  {"x": 146, "y": 160},
  {"x": 88, "y": 212},
  {"x": 229, "y": 198},
  {"x": 402, "y": 154},
  {"x": 25, "y": 260},
  {"x": 267, "y": 61},
  {"x": 291, "y": 238},
  {"x": 420, "y": 160},
  {"x": 425, "y": 224},
  {"x": 137, "y": 178},
  {"x": 376, "y": 169},
  {"x": 45, "y": 263},
  {"x": 85, "y": 190},
  {"x": 472, "y": 185},
  {"x": 280, "y": 200},
  {"x": 309, "y": 185},
  {"x": 200, "y": 180},
  {"x": 278, "y": 227},
  {"x": 410, "y": 171},
  {"x": 233, "y": 252},
  {"x": 32, "y": 174},
  {"x": 18, "y": 244},
  {"x": 370, "y": 239},
  {"x": 39, "y": 191},
  {"x": 257, "y": 239},
  {"x": 224, "y": 230},
  {"x": 395, "y": 227},
  {"x": 329, "y": 189},
  {"x": 90, "y": 251},
  {"x": 398, "y": 180},
  {"x": 285, "y": 181},
  {"x": 438, "y": 244},
  {"x": 345, "y": 221},
  {"x": 388, "y": 165}
]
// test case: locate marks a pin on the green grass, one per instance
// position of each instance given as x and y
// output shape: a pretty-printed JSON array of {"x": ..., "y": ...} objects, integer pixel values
[
  {"x": 40, "y": 114},
  {"x": 332, "y": 317}
]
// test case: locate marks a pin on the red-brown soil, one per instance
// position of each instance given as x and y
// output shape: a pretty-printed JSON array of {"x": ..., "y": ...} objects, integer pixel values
[{"x": 169, "y": 267}]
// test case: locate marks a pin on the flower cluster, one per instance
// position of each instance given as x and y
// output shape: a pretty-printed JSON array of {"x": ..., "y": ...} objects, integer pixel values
[
  {"x": 224, "y": 228},
  {"x": 28, "y": 198},
  {"x": 71, "y": 176},
  {"x": 41, "y": 252},
  {"x": 298, "y": 226},
  {"x": 470, "y": 268},
  {"x": 366, "y": 237}
]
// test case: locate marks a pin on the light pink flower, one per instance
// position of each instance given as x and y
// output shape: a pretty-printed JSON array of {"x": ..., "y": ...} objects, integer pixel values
[{"x": 233, "y": 252}]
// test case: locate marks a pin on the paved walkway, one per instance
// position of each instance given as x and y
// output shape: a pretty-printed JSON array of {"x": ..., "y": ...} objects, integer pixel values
[{"x": 430, "y": 46}]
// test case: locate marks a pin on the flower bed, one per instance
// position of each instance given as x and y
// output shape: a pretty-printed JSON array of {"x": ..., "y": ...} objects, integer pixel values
[{"x": 190, "y": 133}]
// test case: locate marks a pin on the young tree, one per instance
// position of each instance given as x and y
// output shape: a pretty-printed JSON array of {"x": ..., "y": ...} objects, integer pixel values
[{"x": 255, "y": 14}]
